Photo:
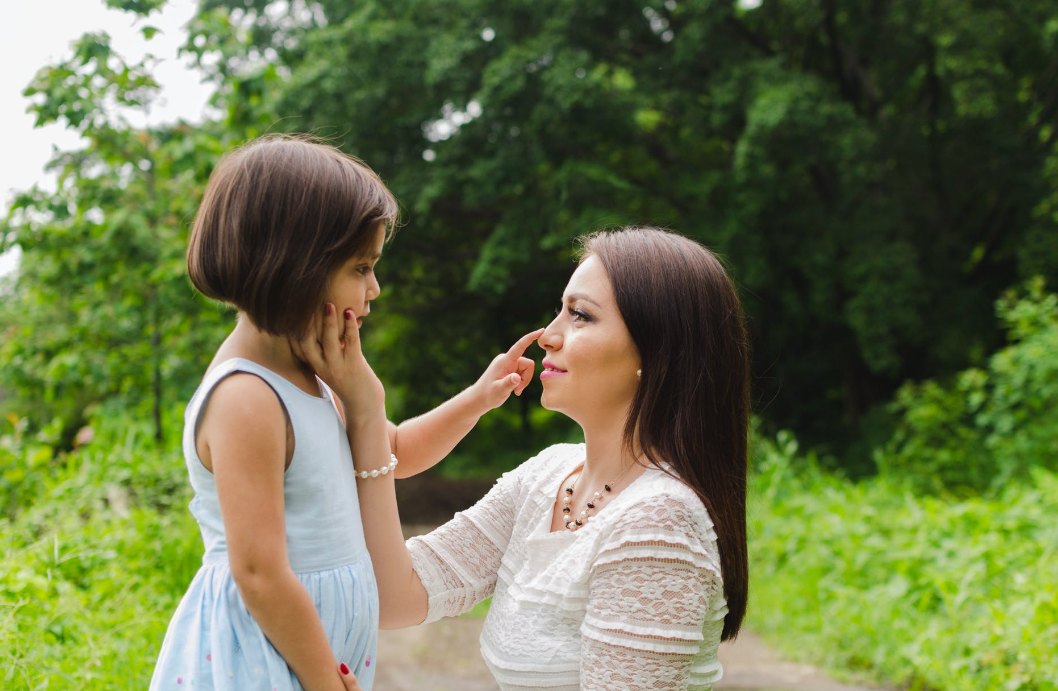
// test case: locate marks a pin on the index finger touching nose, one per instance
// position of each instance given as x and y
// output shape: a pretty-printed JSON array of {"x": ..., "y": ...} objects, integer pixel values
[{"x": 522, "y": 343}]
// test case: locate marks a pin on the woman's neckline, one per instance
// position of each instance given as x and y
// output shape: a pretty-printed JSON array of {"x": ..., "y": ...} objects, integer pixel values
[
  {"x": 294, "y": 386},
  {"x": 565, "y": 472}
]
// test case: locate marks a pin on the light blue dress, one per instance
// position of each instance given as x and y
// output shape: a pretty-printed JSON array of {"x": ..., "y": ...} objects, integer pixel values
[{"x": 212, "y": 641}]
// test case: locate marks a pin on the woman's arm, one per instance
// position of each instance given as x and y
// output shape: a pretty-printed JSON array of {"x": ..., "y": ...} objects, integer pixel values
[
  {"x": 650, "y": 592},
  {"x": 420, "y": 443},
  {"x": 245, "y": 431}
]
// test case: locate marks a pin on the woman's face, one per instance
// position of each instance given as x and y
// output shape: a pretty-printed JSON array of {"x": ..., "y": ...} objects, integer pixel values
[{"x": 591, "y": 362}]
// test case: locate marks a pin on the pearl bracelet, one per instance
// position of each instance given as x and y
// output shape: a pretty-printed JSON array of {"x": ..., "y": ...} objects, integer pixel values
[{"x": 364, "y": 474}]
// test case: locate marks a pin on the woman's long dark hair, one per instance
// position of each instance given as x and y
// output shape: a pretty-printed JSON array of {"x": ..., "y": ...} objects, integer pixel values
[{"x": 691, "y": 408}]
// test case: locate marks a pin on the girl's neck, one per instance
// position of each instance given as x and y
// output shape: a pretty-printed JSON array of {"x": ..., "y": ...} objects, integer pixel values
[{"x": 273, "y": 352}]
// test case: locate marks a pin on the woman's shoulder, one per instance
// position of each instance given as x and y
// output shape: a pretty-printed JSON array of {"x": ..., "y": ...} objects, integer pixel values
[
  {"x": 550, "y": 459},
  {"x": 661, "y": 507}
]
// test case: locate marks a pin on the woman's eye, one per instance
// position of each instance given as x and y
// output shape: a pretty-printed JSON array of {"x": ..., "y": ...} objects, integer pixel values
[
  {"x": 578, "y": 315},
  {"x": 364, "y": 270}
]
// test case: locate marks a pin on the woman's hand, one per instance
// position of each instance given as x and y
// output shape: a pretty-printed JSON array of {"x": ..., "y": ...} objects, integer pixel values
[
  {"x": 333, "y": 352},
  {"x": 351, "y": 684},
  {"x": 508, "y": 372}
]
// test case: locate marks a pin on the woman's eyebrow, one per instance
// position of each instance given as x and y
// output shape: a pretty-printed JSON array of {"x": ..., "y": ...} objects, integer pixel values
[{"x": 582, "y": 296}]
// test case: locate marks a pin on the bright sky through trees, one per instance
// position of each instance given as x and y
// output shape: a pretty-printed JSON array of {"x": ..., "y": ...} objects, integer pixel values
[{"x": 40, "y": 33}]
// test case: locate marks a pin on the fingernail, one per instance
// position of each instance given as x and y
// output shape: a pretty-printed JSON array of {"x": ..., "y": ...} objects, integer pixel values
[
  {"x": 348, "y": 314},
  {"x": 329, "y": 309},
  {"x": 344, "y": 668}
]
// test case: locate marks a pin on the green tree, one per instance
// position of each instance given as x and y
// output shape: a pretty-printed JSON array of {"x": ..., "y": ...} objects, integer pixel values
[
  {"x": 101, "y": 308},
  {"x": 875, "y": 174},
  {"x": 988, "y": 425}
]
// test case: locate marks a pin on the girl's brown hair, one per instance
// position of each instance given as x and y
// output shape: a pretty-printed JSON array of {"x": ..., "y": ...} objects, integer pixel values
[
  {"x": 279, "y": 215},
  {"x": 691, "y": 408}
]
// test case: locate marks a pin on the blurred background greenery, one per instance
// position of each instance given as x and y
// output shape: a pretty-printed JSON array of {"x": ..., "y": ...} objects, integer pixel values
[{"x": 881, "y": 179}]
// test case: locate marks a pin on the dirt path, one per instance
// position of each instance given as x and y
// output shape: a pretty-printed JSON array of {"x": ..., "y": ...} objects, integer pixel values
[{"x": 444, "y": 656}]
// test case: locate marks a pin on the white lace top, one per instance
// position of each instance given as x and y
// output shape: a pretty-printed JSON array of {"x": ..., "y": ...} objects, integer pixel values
[{"x": 633, "y": 600}]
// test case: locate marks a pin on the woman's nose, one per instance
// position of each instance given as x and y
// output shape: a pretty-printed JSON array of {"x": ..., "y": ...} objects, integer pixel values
[
  {"x": 374, "y": 289},
  {"x": 551, "y": 339}
]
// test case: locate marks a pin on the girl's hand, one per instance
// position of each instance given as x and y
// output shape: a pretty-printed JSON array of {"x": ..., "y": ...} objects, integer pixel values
[
  {"x": 333, "y": 352},
  {"x": 508, "y": 372},
  {"x": 351, "y": 684}
]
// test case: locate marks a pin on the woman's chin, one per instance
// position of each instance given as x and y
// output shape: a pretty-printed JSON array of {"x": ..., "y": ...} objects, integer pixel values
[{"x": 550, "y": 402}]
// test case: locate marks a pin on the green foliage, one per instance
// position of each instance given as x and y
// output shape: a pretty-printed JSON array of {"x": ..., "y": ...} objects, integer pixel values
[
  {"x": 876, "y": 174},
  {"x": 915, "y": 592},
  {"x": 101, "y": 308},
  {"x": 990, "y": 425},
  {"x": 140, "y": 7},
  {"x": 92, "y": 567}
]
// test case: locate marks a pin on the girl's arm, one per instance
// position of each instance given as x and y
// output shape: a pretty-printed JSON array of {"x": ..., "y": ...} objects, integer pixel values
[
  {"x": 403, "y": 598},
  {"x": 422, "y": 442},
  {"x": 245, "y": 432}
]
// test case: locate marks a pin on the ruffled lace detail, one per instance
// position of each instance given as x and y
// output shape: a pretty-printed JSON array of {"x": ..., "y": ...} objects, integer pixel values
[
  {"x": 632, "y": 601},
  {"x": 458, "y": 563}
]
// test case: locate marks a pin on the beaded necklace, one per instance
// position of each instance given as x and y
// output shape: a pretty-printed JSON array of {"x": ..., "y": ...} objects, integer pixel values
[{"x": 573, "y": 524}]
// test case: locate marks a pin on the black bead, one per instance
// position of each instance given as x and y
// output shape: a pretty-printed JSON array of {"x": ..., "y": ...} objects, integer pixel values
[
  {"x": 565, "y": 509},
  {"x": 590, "y": 505},
  {"x": 608, "y": 488},
  {"x": 569, "y": 490},
  {"x": 578, "y": 522}
]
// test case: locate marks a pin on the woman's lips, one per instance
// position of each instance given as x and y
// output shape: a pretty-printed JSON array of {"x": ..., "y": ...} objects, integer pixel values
[{"x": 550, "y": 371}]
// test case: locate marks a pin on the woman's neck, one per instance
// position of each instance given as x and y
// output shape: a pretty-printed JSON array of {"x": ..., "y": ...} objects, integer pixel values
[{"x": 607, "y": 457}]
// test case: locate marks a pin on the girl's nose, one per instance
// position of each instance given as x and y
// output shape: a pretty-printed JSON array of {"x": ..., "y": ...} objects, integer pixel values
[{"x": 374, "y": 289}]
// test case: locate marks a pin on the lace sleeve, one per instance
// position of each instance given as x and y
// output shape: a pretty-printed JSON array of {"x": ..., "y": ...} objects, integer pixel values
[
  {"x": 651, "y": 589},
  {"x": 457, "y": 563}
]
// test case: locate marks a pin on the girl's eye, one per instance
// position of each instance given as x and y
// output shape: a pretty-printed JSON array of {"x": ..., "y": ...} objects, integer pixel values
[{"x": 364, "y": 270}]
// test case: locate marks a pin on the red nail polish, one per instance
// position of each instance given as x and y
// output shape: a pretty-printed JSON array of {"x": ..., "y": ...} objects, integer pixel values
[
  {"x": 348, "y": 314},
  {"x": 344, "y": 668}
]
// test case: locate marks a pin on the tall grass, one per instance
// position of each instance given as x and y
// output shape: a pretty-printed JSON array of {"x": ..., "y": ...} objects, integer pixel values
[
  {"x": 93, "y": 566},
  {"x": 919, "y": 592}
]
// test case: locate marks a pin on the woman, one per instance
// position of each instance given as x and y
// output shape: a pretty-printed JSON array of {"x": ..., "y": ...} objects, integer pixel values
[{"x": 619, "y": 563}]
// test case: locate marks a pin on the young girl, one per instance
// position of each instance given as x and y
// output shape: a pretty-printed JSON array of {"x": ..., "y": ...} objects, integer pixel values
[{"x": 289, "y": 233}]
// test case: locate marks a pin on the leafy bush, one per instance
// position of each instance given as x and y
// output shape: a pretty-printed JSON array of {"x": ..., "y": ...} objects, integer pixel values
[
  {"x": 921, "y": 592},
  {"x": 989, "y": 425}
]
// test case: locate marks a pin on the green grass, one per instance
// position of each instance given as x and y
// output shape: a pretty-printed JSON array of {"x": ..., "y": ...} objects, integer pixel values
[
  {"x": 863, "y": 578},
  {"x": 917, "y": 592}
]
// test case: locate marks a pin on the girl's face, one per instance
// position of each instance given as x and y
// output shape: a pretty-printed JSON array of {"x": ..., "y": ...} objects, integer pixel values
[
  {"x": 353, "y": 285},
  {"x": 591, "y": 362}
]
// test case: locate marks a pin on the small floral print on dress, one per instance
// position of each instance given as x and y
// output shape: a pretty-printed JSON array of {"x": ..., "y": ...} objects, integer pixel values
[
  {"x": 209, "y": 658},
  {"x": 368, "y": 662},
  {"x": 179, "y": 680}
]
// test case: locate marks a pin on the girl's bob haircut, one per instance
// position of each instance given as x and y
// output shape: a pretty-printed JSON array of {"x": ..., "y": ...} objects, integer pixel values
[{"x": 279, "y": 215}]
